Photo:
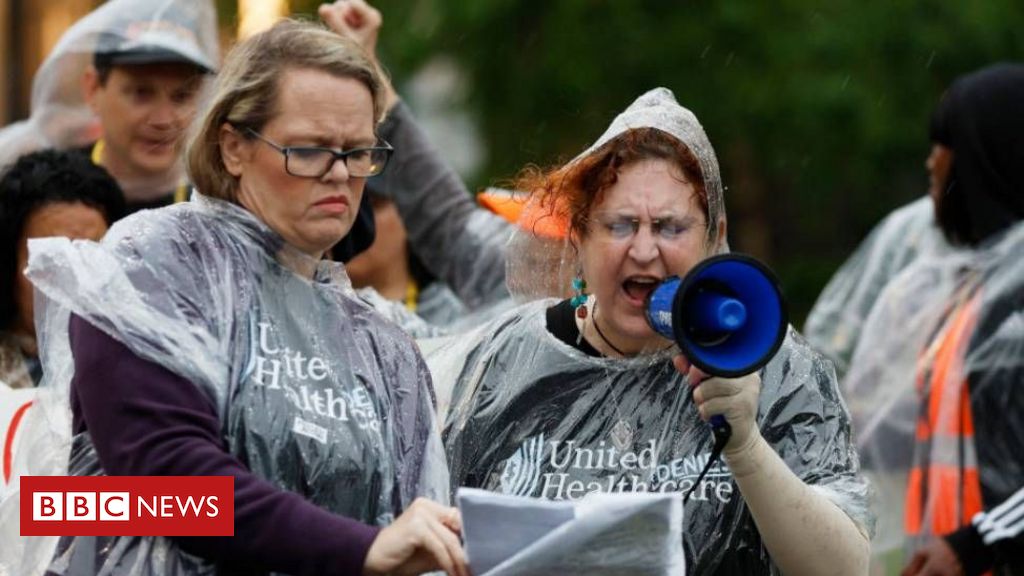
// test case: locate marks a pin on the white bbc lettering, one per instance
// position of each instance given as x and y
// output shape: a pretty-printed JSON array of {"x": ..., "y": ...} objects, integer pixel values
[
  {"x": 145, "y": 504},
  {"x": 190, "y": 504},
  {"x": 167, "y": 506},
  {"x": 211, "y": 503}
]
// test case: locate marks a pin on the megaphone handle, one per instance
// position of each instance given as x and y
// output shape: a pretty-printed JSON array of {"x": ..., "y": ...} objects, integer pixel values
[{"x": 721, "y": 429}]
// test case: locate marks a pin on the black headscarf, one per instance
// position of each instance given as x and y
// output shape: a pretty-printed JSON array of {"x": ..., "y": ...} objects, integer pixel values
[
  {"x": 981, "y": 119},
  {"x": 364, "y": 232}
]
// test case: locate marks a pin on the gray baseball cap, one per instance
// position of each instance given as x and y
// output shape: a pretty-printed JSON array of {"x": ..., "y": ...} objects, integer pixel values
[{"x": 171, "y": 38}]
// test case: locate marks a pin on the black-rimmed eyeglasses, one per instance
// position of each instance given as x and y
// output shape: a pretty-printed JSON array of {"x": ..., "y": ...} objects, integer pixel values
[{"x": 315, "y": 161}]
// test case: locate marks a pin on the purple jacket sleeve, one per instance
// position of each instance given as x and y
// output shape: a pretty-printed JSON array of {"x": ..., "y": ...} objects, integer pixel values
[{"x": 146, "y": 421}]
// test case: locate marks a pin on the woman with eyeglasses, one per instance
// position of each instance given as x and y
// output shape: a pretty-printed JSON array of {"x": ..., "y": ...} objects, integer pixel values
[
  {"x": 212, "y": 338},
  {"x": 563, "y": 397}
]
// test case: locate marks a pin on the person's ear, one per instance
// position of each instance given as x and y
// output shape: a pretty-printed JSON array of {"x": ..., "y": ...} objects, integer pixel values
[
  {"x": 91, "y": 86},
  {"x": 235, "y": 150}
]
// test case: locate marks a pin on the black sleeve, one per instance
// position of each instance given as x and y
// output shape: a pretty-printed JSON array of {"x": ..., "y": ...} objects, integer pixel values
[
  {"x": 975, "y": 557},
  {"x": 994, "y": 539},
  {"x": 459, "y": 242}
]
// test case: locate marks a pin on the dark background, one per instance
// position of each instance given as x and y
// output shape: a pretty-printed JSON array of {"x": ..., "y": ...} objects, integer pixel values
[
  {"x": 819, "y": 115},
  {"x": 818, "y": 110}
]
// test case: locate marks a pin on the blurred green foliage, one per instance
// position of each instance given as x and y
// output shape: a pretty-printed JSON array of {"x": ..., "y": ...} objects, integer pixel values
[{"x": 818, "y": 111}]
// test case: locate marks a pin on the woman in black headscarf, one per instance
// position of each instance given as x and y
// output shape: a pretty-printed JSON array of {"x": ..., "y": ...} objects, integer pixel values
[
  {"x": 945, "y": 356},
  {"x": 977, "y": 129}
]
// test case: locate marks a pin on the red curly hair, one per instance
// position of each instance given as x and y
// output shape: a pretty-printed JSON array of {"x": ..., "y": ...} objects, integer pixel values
[{"x": 567, "y": 193}]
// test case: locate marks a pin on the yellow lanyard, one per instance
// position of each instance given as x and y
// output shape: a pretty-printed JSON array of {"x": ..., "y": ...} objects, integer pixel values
[
  {"x": 180, "y": 193},
  {"x": 412, "y": 295}
]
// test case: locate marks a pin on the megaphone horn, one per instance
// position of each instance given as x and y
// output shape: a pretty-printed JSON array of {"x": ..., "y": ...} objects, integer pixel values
[{"x": 727, "y": 315}]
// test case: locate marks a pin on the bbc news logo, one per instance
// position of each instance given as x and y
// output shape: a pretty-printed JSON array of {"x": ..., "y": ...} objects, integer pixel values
[{"x": 127, "y": 506}]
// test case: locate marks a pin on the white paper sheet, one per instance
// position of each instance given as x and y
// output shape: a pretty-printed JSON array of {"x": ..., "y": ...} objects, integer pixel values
[{"x": 603, "y": 534}]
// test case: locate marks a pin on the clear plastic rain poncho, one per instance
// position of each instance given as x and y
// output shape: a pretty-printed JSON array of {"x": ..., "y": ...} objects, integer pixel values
[
  {"x": 208, "y": 291},
  {"x": 410, "y": 322},
  {"x": 935, "y": 382},
  {"x": 60, "y": 117},
  {"x": 531, "y": 415},
  {"x": 900, "y": 345},
  {"x": 834, "y": 324}
]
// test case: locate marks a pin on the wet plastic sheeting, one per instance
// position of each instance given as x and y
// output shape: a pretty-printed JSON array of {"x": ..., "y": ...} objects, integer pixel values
[
  {"x": 315, "y": 391},
  {"x": 898, "y": 342},
  {"x": 533, "y": 416},
  {"x": 411, "y": 323},
  {"x": 908, "y": 234},
  {"x": 530, "y": 415}
]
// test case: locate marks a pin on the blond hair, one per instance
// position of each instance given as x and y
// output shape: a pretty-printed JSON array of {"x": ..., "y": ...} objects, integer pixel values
[{"x": 246, "y": 90}]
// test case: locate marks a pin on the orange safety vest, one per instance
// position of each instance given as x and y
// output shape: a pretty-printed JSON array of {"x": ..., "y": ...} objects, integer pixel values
[{"x": 944, "y": 492}]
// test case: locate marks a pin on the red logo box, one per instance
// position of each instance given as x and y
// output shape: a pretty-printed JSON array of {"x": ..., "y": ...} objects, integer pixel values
[{"x": 127, "y": 506}]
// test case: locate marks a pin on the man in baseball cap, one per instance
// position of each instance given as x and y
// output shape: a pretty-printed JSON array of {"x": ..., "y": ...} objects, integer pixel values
[{"x": 144, "y": 84}]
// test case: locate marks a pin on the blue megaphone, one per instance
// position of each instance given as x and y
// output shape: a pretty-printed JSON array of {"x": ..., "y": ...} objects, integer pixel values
[{"x": 727, "y": 315}]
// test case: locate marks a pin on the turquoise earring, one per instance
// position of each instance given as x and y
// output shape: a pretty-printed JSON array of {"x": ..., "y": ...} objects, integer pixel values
[{"x": 579, "y": 288}]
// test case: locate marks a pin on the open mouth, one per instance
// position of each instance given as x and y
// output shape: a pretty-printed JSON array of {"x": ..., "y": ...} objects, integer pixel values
[{"x": 638, "y": 288}]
